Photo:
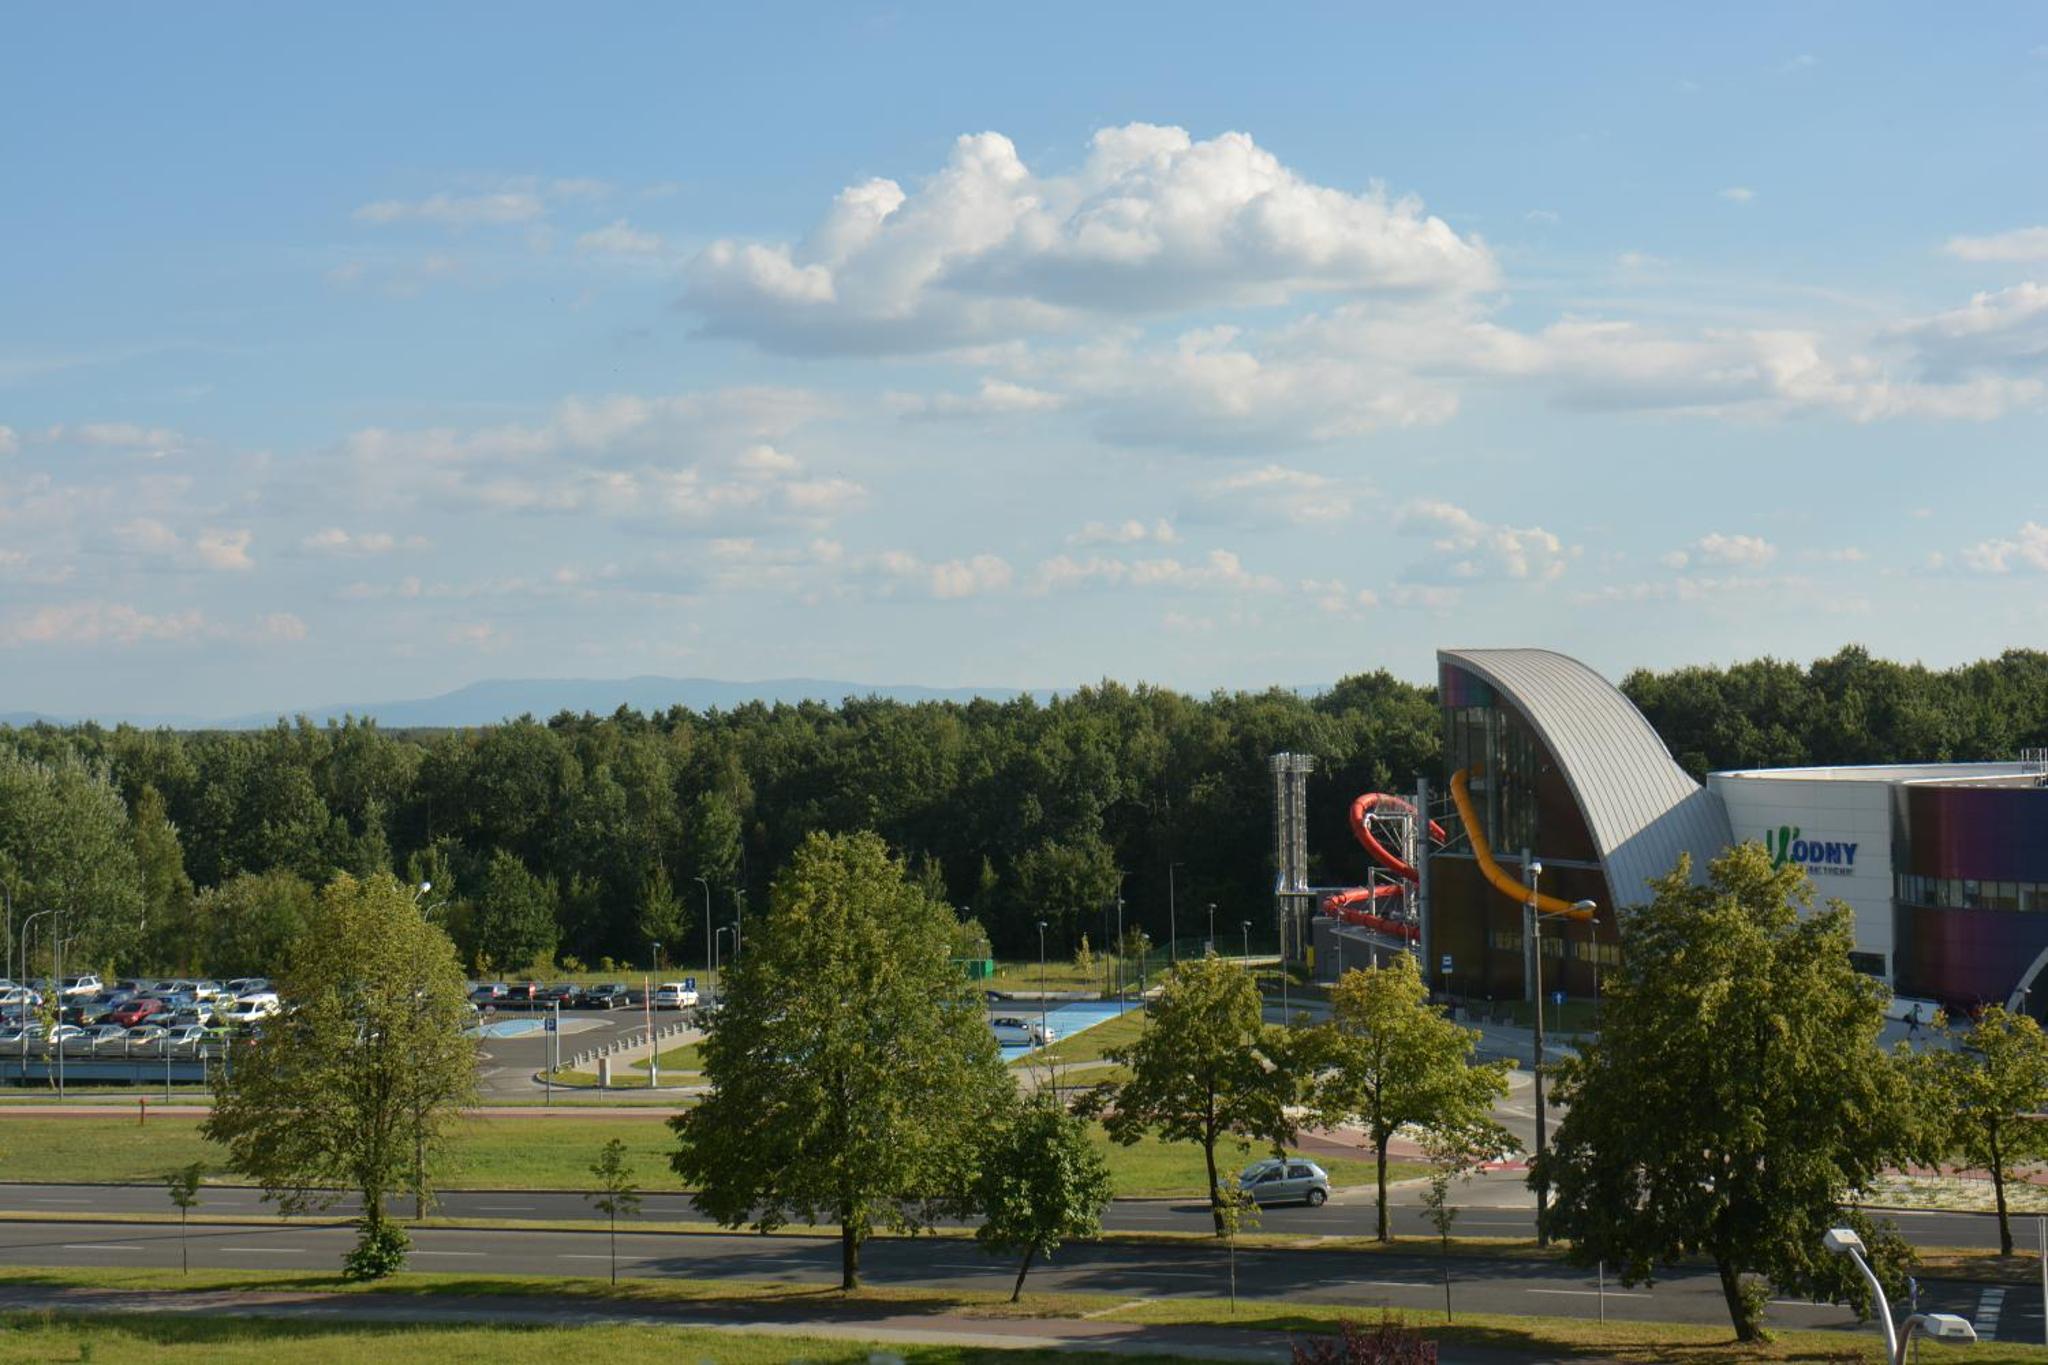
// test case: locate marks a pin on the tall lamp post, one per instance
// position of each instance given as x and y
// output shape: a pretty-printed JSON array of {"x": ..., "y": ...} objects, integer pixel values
[
  {"x": 1542, "y": 1123},
  {"x": 1042, "y": 1039},
  {"x": 1172, "y": 916},
  {"x": 710, "y": 953},
  {"x": 1247, "y": 941},
  {"x": 1940, "y": 1326},
  {"x": 1211, "y": 945}
]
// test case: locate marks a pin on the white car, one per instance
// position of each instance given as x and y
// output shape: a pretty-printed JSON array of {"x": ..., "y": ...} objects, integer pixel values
[
  {"x": 79, "y": 985},
  {"x": 250, "y": 1009},
  {"x": 674, "y": 995},
  {"x": 1012, "y": 1031}
]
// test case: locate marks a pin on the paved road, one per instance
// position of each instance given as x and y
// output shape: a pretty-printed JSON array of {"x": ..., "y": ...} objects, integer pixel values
[
  {"x": 1495, "y": 1206},
  {"x": 1414, "y": 1283}
]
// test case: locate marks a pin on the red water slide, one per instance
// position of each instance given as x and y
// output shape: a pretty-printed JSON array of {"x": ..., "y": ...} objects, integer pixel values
[{"x": 1356, "y": 905}]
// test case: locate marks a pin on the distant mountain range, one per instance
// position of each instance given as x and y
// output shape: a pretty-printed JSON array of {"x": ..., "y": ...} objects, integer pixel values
[{"x": 496, "y": 699}]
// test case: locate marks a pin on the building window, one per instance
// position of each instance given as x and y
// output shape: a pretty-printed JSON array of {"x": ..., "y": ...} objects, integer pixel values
[{"x": 1870, "y": 964}]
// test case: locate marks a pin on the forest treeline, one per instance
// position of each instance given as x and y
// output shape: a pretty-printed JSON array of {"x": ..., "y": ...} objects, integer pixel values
[{"x": 595, "y": 837}]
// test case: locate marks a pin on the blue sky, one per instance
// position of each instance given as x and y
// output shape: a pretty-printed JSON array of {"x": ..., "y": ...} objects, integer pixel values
[{"x": 360, "y": 354}]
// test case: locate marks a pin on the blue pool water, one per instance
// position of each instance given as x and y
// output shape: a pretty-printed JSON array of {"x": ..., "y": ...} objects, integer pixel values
[{"x": 1065, "y": 1019}]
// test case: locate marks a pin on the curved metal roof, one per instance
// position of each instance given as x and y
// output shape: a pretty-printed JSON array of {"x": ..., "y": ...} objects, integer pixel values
[{"x": 1642, "y": 808}]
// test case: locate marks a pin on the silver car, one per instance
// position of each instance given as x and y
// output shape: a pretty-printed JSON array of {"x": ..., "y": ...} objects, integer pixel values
[{"x": 1297, "y": 1180}]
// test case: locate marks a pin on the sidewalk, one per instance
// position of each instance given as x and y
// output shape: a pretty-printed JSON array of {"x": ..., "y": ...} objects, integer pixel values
[{"x": 824, "y": 1318}]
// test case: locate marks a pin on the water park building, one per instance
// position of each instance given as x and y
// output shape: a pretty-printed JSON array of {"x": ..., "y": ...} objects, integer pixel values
[{"x": 1557, "y": 794}]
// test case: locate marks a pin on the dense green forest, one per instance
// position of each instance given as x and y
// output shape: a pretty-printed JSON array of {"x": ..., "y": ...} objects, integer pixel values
[{"x": 594, "y": 837}]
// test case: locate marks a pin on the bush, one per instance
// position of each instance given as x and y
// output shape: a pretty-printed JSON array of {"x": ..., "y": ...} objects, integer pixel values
[
  {"x": 379, "y": 1252},
  {"x": 1387, "y": 1342}
]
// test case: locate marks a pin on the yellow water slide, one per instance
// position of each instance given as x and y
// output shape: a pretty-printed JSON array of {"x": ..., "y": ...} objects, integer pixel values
[{"x": 1491, "y": 870}]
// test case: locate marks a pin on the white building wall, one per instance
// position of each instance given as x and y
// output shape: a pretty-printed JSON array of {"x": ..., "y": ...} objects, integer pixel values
[{"x": 1835, "y": 811}]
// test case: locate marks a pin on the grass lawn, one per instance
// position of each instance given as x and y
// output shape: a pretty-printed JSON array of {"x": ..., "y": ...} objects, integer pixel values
[
  {"x": 39, "y": 1337},
  {"x": 1171, "y": 1169},
  {"x": 688, "y": 1058},
  {"x": 1089, "y": 1044},
  {"x": 47, "y": 1337},
  {"x": 487, "y": 1153}
]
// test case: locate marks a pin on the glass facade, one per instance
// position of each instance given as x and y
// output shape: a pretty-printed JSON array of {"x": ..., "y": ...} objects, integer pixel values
[{"x": 1970, "y": 873}]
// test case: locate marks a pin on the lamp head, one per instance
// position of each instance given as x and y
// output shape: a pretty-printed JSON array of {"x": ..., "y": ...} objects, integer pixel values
[
  {"x": 1536, "y": 868},
  {"x": 425, "y": 887},
  {"x": 1947, "y": 1327},
  {"x": 1842, "y": 1241},
  {"x": 1587, "y": 906}
]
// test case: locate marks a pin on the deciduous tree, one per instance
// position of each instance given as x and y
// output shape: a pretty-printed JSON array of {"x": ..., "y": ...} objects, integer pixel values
[
  {"x": 1736, "y": 1095},
  {"x": 1992, "y": 1085},
  {"x": 1040, "y": 1183},
  {"x": 354, "y": 1086},
  {"x": 1389, "y": 1059},
  {"x": 850, "y": 1066},
  {"x": 1206, "y": 1068}
]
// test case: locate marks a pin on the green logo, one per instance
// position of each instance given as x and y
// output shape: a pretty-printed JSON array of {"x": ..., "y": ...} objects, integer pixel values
[{"x": 1781, "y": 849}]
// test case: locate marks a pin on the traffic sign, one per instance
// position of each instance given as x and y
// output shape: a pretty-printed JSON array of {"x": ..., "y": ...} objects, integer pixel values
[
  {"x": 548, "y": 1024},
  {"x": 689, "y": 983},
  {"x": 1447, "y": 961}
]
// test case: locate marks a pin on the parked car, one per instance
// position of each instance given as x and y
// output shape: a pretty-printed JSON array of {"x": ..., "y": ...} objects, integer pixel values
[
  {"x": 610, "y": 996},
  {"x": 132, "y": 1012},
  {"x": 561, "y": 993},
  {"x": 144, "y": 1036},
  {"x": 674, "y": 995},
  {"x": 207, "y": 990},
  {"x": 1015, "y": 1031},
  {"x": 520, "y": 995},
  {"x": 78, "y": 985},
  {"x": 248, "y": 985},
  {"x": 1296, "y": 1180},
  {"x": 489, "y": 993},
  {"x": 61, "y": 1034},
  {"x": 183, "y": 1038},
  {"x": 14, "y": 1035},
  {"x": 249, "y": 1009},
  {"x": 13, "y": 994},
  {"x": 110, "y": 1037}
]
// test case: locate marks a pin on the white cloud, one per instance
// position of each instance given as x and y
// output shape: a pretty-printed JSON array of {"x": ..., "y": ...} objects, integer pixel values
[
  {"x": 620, "y": 238},
  {"x": 1152, "y": 222},
  {"x": 147, "y": 536},
  {"x": 1130, "y": 531},
  {"x": 1219, "y": 570},
  {"x": 281, "y": 625},
  {"x": 1276, "y": 494},
  {"x": 129, "y": 436},
  {"x": 10, "y": 442},
  {"x": 452, "y": 210},
  {"x": 96, "y": 622},
  {"x": 1738, "y": 194},
  {"x": 1547, "y": 217},
  {"x": 1744, "y": 551},
  {"x": 976, "y": 576},
  {"x": 1472, "y": 550},
  {"x": 225, "y": 550},
  {"x": 1805, "y": 61},
  {"x": 334, "y": 540},
  {"x": 1998, "y": 331},
  {"x": 2027, "y": 550},
  {"x": 995, "y": 398},
  {"x": 1333, "y": 597},
  {"x": 2016, "y": 246},
  {"x": 1847, "y": 554}
]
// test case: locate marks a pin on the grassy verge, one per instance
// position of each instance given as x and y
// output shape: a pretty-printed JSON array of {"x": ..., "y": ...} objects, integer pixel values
[
  {"x": 512, "y": 1154},
  {"x": 1533, "y": 1337},
  {"x": 1089, "y": 1044},
  {"x": 45, "y": 1336}
]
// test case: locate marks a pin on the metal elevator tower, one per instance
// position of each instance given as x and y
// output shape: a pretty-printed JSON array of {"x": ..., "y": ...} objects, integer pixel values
[{"x": 1293, "y": 902}]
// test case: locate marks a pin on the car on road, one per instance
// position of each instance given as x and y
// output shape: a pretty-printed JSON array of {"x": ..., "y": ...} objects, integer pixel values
[
  {"x": 674, "y": 995},
  {"x": 609, "y": 996},
  {"x": 132, "y": 1012},
  {"x": 1295, "y": 1180},
  {"x": 1016, "y": 1031}
]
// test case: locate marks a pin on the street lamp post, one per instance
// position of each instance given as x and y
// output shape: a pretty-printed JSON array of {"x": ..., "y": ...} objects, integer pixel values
[
  {"x": 1042, "y": 1039},
  {"x": 1211, "y": 945},
  {"x": 1940, "y": 1326},
  {"x": 710, "y": 954},
  {"x": 739, "y": 917},
  {"x": 1247, "y": 942},
  {"x": 1536, "y": 1074},
  {"x": 1172, "y": 916},
  {"x": 657, "y": 957}
]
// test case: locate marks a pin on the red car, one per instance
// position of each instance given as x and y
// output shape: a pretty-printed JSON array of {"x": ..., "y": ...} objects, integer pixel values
[{"x": 132, "y": 1012}]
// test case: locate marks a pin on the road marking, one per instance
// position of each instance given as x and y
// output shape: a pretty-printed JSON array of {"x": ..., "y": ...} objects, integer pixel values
[
  {"x": 1396, "y": 1284},
  {"x": 506, "y": 1208},
  {"x": 1989, "y": 1304},
  {"x": 591, "y": 1256},
  {"x": 282, "y": 1251},
  {"x": 40, "y": 1200},
  {"x": 1588, "y": 1293},
  {"x": 962, "y": 1265},
  {"x": 448, "y": 1253},
  {"x": 103, "y": 1246}
]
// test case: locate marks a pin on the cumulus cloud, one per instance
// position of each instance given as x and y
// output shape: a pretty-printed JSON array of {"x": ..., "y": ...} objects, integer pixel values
[
  {"x": 620, "y": 238},
  {"x": 225, "y": 550},
  {"x": 456, "y": 210},
  {"x": 1470, "y": 550},
  {"x": 1274, "y": 494},
  {"x": 336, "y": 541},
  {"x": 2002, "y": 331},
  {"x": 1130, "y": 531},
  {"x": 1738, "y": 194},
  {"x": 995, "y": 398},
  {"x": 1152, "y": 222},
  {"x": 1218, "y": 570},
  {"x": 99, "y": 622},
  {"x": 951, "y": 579},
  {"x": 1743, "y": 551},
  {"x": 2027, "y": 550},
  {"x": 2016, "y": 246},
  {"x": 10, "y": 441}
]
